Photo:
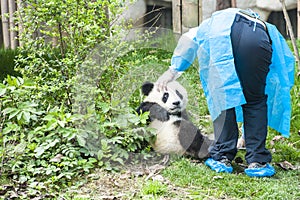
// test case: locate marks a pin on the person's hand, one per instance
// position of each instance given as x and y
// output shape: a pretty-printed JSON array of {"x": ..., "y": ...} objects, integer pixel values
[{"x": 165, "y": 78}]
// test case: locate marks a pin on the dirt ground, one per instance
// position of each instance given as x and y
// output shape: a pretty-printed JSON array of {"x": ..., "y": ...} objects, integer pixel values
[{"x": 126, "y": 184}]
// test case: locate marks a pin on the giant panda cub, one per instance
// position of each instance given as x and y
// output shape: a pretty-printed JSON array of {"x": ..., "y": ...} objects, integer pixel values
[{"x": 167, "y": 114}]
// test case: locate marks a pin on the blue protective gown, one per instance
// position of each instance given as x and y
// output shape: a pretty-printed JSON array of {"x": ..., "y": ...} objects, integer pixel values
[{"x": 211, "y": 43}]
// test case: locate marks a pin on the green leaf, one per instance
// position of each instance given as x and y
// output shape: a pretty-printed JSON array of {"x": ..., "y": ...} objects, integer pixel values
[
  {"x": 19, "y": 116},
  {"x": 39, "y": 151},
  {"x": 27, "y": 105},
  {"x": 8, "y": 110},
  {"x": 26, "y": 116},
  {"x": 61, "y": 123},
  {"x": 14, "y": 113},
  {"x": 52, "y": 124},
  {"x": 144, "y": 117},
  {"x": 117, "y": 139},
  {"x": 52, "y": 144},
  {"x": 100, "y": 155},
  {"x": 2, "y": 90},
  {"x": 81, "y": 140},
  {"x": 32, "y": 146},
  {"x": 23, "y": 179},
  {"x": 119, "y": 160},
  {"x": 105, "y": 107},
  {"x": 20, "y": 148},
  {"x": 48, "y": 117},
  {"x": 10, "y": 127},
  {"x": 134, "y": 119}
]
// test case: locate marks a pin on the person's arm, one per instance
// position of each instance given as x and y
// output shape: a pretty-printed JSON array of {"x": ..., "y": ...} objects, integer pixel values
[{"x": 183, "y": 56}]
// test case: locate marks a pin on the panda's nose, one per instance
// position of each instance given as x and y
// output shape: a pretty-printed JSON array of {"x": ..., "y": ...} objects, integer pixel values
[{"x": 176, "y": 103}]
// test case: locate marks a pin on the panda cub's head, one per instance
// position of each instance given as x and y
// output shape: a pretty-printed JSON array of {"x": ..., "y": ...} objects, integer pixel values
[{"x": 174, "y": 99}]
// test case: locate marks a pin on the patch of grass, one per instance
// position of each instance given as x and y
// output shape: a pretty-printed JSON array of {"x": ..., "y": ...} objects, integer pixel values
[
  {"x": 285, "y": 149},
  {"x": 295, "y": 93},
  {"x": 204, "y": 183},
  {"x": 154, "y": 188}
]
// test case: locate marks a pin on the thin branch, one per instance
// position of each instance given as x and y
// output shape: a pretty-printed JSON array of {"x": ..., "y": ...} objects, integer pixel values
[
  {"x": 290, "y": 28},
  {"x": 62, "y": 49}
]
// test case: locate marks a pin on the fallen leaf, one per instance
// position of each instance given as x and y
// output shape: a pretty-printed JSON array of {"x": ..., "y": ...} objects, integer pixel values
[
  {"x": 158, "y": 177},
  {"x": 126, "y": 175},
  {"x": 273, "y": 150},
  {"x": 275, "y": 139},
  {"x": 286, "y": 165},
  {"x": 138, "y": 173},
  {"x": 218, "y": 177}
]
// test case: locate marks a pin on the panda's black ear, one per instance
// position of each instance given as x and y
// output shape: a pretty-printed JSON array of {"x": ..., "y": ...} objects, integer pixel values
[{"x": 147, "y": 88}]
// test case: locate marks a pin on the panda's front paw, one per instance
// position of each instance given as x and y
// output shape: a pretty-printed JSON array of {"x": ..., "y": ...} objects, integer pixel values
[
  {"x": 161, "y": 116},
  {"x": 159, "y": 113}
]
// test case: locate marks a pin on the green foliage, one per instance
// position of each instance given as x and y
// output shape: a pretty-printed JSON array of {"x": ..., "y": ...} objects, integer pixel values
[
  {"x": 7, "y": 63},
  {"x": 31, "y": 138},
  {"x": 44, "y": 149},
  {"x": 58, "y": 121},
  {"x": 56, "y": 38}
]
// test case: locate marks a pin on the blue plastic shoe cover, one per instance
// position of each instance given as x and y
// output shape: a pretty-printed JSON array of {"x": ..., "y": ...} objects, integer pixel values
[
  {"x": 266, "y": 171},
  {"x": 218, "y": 166}
]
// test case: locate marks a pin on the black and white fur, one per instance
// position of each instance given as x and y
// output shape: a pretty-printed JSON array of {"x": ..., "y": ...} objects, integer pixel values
[{"x": 167, "y": 114}]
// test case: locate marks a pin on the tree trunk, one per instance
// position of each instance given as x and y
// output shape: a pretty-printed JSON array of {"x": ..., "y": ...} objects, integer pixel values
[
  {"x": 176, "y": 15},
  {"x": 13, "y": 33},
  {"x": 189, "y": 14},
  {"x": 298, "y": 19},
  {"x": 5, "y": 25},
  {"x": 233, "y": 3},
  {"x": 200, "y": 10},
  {"x": 20, "y": 4}
]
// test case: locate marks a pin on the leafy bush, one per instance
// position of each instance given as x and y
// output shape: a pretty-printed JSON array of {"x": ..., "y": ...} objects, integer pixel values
[
  {"x": 60, "y": 120},
  {"x": 56, "y": 38}
]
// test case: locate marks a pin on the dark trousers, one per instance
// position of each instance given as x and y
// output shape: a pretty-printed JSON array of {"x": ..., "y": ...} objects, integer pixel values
[{"x": 252, "y": 53}]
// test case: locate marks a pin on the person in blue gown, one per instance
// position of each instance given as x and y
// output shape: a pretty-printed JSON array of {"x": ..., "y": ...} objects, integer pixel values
[{"x": 246, "y": 71}]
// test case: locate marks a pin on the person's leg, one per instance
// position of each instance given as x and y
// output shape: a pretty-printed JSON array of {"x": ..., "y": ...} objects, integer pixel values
[
  {"x": 226, "y": 134},
  {"x": 252, "y": 59},
  {"x": 255, "y": 117},
  {"x": 223, "y": 151}
]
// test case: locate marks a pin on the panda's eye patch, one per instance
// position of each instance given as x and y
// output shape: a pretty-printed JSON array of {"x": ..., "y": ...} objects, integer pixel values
[
  {"x": 165, "y": 97},
  {"x": 179, "y": 94}
]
